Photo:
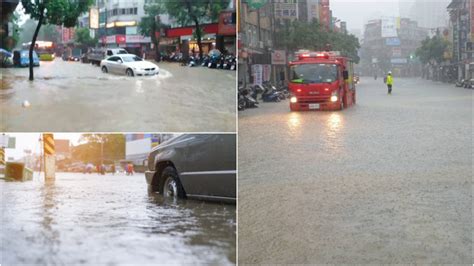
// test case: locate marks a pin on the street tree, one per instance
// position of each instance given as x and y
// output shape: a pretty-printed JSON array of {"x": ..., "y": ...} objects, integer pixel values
[
  {"x": 98, "y": 147},
  {"x": 195, "y": 12},
  {"x": 57, "y": 12},
  {"x": 82, "y": 37},
  {"x": 432, "y": 50},
  {"x": 312, "y": 36},
  {"x": 151, "y": 24}
]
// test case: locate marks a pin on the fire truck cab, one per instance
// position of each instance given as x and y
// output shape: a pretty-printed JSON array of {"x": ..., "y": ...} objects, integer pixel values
[{"x": 321, "y": 81}]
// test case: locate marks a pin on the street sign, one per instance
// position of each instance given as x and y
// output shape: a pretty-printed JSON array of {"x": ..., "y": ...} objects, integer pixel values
[
  {"x": 279, "y": 57},
  {"x": 392, "y": 41},
  {"x": 256, "y": 4},
  {"x": 396, "y": 52},
  {"x": 398, "y": 60}
]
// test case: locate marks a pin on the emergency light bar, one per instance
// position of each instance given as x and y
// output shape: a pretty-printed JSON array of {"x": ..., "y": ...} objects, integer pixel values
[{"x": 326, "y": 55}]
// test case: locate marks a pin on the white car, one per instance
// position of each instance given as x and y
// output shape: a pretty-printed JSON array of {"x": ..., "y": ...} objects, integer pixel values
[{"x": 128, "y": 64}]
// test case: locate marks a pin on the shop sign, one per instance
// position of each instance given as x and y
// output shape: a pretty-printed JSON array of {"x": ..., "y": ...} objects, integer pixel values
[
  {"x": 279, "y": 57},
  {"x": 398, "y": 60},
  {"x": 286, "y": 9},
  {"x": 227, "y": 23},
  {"x": 94, "y": 18},
  {"x": 396, "y": 52},
  {"x": 137, "y": 39},
  {"x": 257, "y": 73},
  {"x": 392, "y": 41},
  {"x": 389, "y": 28}
]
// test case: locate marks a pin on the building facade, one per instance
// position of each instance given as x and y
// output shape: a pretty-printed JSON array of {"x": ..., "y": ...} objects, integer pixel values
[
  {"x": 389, "y": 44},
  {"x": 461, "y": 14}
]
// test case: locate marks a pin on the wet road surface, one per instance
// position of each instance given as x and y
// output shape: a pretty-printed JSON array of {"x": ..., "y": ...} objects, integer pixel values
[
  {"x": 71, "y": 96},
  {"x": 386, "y": 181},
  {"x": 110, "y": 220}
]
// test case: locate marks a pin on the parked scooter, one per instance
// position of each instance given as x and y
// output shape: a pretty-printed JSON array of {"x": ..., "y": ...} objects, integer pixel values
[{"x": 269, "y": 94}]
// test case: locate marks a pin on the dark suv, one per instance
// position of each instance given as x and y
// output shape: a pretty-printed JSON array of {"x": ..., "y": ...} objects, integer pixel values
[{"x": 200, "y": 166}]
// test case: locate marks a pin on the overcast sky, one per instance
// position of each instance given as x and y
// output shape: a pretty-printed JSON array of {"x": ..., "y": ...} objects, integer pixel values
[{"x": 356, "y": 12}]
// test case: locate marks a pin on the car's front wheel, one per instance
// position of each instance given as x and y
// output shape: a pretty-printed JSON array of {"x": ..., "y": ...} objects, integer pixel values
[
  {"x": 129, "y": 72},
  {"x": 104, "y": 69},
  {"x": 172, "y": 187}
]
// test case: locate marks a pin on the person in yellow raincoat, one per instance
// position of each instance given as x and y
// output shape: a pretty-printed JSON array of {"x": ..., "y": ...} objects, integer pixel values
[{"x": 389, "y": 81}]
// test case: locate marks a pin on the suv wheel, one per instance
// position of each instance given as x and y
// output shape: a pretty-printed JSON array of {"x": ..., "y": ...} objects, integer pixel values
[{"x": 172, "y": 187}]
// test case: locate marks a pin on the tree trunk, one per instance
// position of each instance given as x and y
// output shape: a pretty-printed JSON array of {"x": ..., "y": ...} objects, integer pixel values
[
  {"x": 33, "y": 43},
  {"x": 156, "y": 42},
  {"x": 198, "y": 36},
  {"x": 196, "y": 24}
]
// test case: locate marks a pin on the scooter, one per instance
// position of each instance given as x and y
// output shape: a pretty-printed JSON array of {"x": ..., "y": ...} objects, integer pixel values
[{"x": 269, "y": 95}]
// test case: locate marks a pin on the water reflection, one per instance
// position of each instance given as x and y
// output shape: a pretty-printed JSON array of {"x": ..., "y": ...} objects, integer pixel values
[
  {"x": 198, "y": 223},
  {"x": 333, "y": 135},
  {"x": 79, "y": 219},
  {"x": 294, "y": 123},
  {"x": 49, "y": 234}
]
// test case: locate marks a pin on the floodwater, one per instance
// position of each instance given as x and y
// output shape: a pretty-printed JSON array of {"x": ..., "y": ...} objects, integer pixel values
[
  {"x": 77, "y": 97},
  {"x": 386, "y": 181},
  {"x": 112, "y": 220}
]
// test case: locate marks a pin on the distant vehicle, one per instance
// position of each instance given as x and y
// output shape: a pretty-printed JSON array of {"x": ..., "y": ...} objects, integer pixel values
[
  {"x": 199, "y": 166},
  {"x": 96, "y": 55},
  {"x": 21, "y": 58},
  {"x": 115, "y": 51},
  {"x": 44, "y": 49},
  {"x": 128, "y": 64}
]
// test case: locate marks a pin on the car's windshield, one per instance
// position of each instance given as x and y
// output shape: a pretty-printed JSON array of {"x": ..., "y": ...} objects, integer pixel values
[
  {"x": 131, "y": 58},
  {"x": 314, "y": 73},
  {"x": 122, "y": 52}
]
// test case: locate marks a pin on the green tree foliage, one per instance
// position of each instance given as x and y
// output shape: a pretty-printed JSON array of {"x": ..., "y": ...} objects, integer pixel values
[
  {"x": 151, "y": 23},
  {"x": 432, "y": 50},
  {"x": 49, "y": 33},
  {"x": 83, "y": 37},
  {"x": 46, "y": 33},
  {"x": 90, "y": 149},
  {"x": 194, "y": 12},
  {"x": 57, "y": 12},
  {"x": 312, "y": 36}
]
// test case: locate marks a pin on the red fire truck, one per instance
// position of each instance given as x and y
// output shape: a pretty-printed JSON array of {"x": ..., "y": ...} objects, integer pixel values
[{"x": 321, "y": 81}]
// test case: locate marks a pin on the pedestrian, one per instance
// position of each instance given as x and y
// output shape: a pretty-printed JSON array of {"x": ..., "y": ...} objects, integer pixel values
[
  {"x": 102, "y": 169},
  {"x": 389, "y": 81},
  {"x": 112, "y": 169}
]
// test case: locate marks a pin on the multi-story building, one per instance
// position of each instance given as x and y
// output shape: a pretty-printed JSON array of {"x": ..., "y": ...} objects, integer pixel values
[
  {"x": 256, "y": 41},
  {"x": 390, "y": 44},
  {"x": 461, "y": 14}
]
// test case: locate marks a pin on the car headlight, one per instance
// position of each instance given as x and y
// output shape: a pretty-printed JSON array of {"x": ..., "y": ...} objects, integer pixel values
[
  {"x": 293, "y": 99},
  {"x": 334, "y": 96}
]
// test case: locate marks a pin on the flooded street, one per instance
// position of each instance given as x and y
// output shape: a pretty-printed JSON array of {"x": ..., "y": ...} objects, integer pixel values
[
  {"x": 386, "y": 181},
  {"x": 72, "y": 96},
  {"x": 110, "y": 220}
]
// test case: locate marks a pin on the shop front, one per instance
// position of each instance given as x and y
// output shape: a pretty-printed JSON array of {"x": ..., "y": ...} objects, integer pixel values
[{"x": 134, "y": 44}]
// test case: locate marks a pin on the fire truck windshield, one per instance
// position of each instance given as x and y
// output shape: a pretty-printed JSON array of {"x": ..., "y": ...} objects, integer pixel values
[{"x": 314, "y": 73}]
